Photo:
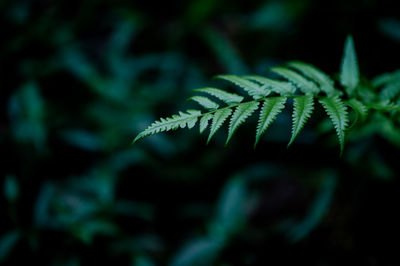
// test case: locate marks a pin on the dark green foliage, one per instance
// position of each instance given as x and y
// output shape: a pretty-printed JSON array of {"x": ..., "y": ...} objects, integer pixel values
[{"x": 80, "y": 78}]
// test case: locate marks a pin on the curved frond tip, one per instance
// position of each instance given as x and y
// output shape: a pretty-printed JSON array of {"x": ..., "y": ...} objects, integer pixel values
[{"x": 180, "y": 120}]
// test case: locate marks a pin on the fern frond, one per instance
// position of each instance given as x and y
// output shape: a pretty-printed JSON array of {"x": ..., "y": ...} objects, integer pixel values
[
  {"x": 205, "y": 102},
  {"x": 302, "y": 109},
  {"x": 323, "y": 80},
  {"x": 280, "y": 87},
  {"x": 228, "y": 98},
  {"x": 204, "y": 121},
  {"x": 253, "y": 89},
  {"x": 269, "y": 111},
  {"x": 180, "y": 120},
  {"x": 240, "y": 115},
  {"x": 218, "y": 119},
  {"x": 306, "y": 86},
  {"x": 382, "y": 96},
  {"x": 349, "y": 72},
  {"x": 337, "y": 112}
]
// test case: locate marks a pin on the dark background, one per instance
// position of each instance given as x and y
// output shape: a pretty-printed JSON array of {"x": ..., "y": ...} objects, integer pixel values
[{"x": 80, "y": 79}]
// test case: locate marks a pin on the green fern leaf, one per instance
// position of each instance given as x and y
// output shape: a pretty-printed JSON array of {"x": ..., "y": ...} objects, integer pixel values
[
  {"x": 242, "y": 112},
  {"x": 180, "y": 120},
  {"x": 302, "y": 109},
  {"x": 337, "y": 112},
  {"x": 280, "y": 87},
  {"x": 253, "y": 89},
  {"x": 205, "y": 102},
  {"x": 219, "y": 118},
  {"x": 228, "y": 98},
  {"x": 269, "y": 111},
  {"x": 323, "y": 80},
  {"x": 306, "y": 86},
  {"x": 381, "y": 97},
  {"x": 204, "y": 122},
  {"x": 349, "y": 72}
]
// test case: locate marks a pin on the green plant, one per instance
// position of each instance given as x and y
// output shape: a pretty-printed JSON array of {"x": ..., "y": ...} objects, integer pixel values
[{"x": 304, "y": 84}]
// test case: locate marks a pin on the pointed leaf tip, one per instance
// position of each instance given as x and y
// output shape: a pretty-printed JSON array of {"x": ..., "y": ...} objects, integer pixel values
[{"x": 349, "y": 72}]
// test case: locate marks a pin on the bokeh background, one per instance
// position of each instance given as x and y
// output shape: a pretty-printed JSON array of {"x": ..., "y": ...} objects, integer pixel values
[{"x": 79, "y": 80}]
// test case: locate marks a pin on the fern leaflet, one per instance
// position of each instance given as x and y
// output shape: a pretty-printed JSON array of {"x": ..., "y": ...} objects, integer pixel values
[
  {"x": 324, "y": 81},
  {"x": 219, "y": 118},
  {"x": 204, "y": 122},
  {"x": 269, "y": 111},
  {"x": 390, "y": 83},
  {"x": 302, "y": 109},
  {"x": 253, "y": 89},
  {"x": 337, "y": 112},
  {"x": 386, "y": 78},
  {"x": 349, "y": 72},
  {"x": 390, "y": 91},
  {"x": 205, "y": 102},
  {"x": 228, "y": 98},
  {"x": 359, "y": 108},
  {"x": 280, "y": 87},
  {"x": 181, "y": 120},
  {"x": 240, "y": 115},
  {"x": 306, "y": 86},
  {"x": 385, "y": 106}
]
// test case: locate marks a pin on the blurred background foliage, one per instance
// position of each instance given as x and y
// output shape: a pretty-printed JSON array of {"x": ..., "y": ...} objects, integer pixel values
[{"x": 79, "y": 79}]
